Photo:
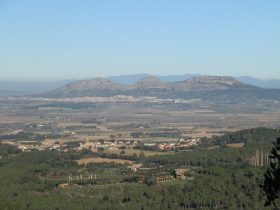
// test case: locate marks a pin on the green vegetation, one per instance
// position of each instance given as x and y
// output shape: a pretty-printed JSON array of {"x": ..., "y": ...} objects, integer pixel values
[
  {"x": 221, "y": 178},
  {"x": 23, "y": 136},
  {"x": 135, "y": 152},
  {"x": 271, "y": 184},
  {"x": 254, "y": 136}
]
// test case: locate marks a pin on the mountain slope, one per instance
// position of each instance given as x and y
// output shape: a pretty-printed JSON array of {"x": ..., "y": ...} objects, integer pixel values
[
  {"x": 272, "y": 83},
  {"x": 94, "y": 87}
]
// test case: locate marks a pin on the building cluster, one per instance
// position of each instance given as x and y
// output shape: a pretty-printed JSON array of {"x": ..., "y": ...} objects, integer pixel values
[
  {"x": 117, "y": 99},
  {"x": 182, "y": 144},
  {"x": 164, "y": 177},
  {"x": 101, "y": 145},
  {"x": 26, "y": 145},
  {"x": 179, "y": 173},
  {"x": 135, "y": 167},
  {"x": 107, "y": 145},
  {"x": 182, "y": 173}
]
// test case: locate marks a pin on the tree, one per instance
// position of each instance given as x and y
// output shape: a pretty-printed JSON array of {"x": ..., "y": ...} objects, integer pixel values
[
  {"x": 5, "y": 205},
  {"x": 134, "y": 155},
  {"x": 271, "y": 185},
  {"x": 101, "y": 141},
  {"x": 122, "y": 147},
  {"x": 142, "y": 155},
  {"x": 150, "y": 180},
  {"x": 100, "y": 149},
  {"x": 137, "y": 134}
]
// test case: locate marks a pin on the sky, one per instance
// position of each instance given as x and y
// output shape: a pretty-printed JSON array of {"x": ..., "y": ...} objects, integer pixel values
[{"x": 66, "y": 39}]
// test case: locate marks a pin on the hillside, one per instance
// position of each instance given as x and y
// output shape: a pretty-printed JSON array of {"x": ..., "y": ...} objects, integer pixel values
[{"x": 86, "y": 88}]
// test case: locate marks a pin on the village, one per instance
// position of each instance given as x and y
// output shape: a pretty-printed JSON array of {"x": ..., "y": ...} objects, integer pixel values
[
  {"x": 104, "y": 146},
  {"x": 120, "y": 150},
  {"x": 98, "y": 135}
]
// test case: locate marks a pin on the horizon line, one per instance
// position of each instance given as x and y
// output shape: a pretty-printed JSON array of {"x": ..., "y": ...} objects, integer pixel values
[{"x": 123, "y": 75}]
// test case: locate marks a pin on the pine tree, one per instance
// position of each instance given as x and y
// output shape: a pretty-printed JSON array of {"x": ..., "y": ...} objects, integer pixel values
[{"x": 271, "y": 185}]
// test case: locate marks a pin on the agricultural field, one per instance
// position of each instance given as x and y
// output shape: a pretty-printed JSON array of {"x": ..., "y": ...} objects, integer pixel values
[
  {"x": 235, "y": 145},
  {"x": 133, "y": 152},
  {"x": 102, "y": 160},
  {"x": 120, "y": 156}
]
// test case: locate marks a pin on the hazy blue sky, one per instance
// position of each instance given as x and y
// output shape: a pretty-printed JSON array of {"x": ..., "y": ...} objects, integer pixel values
[{"x": 62, "y": 39}]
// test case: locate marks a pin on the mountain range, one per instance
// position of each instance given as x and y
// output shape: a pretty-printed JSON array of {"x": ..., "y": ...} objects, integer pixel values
[
  {"x": 129, "y": 79},
  {"x": 36, "y": 87},
  {"x": 217, "y": 88}
]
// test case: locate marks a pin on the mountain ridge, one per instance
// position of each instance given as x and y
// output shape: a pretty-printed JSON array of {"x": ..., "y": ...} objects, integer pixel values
[
  {"x": 205, "y": 87},
  {"x": 129, "y": 79},
  {"x": 40, "y": 87}
]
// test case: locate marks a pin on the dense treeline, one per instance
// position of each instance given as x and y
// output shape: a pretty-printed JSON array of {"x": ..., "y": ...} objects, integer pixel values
[
  {"x": 212, "y": 188},
  {"x": 253, "y": 136},
  {"x": 25, "y": 136}
]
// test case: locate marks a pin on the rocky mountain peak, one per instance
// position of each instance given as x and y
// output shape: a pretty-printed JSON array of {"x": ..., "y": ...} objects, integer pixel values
[
  {"x": 207, "y": 83},
  {"x": 91, "y": 84},
  {"x": 227, "y": 80}
]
